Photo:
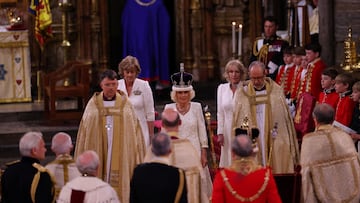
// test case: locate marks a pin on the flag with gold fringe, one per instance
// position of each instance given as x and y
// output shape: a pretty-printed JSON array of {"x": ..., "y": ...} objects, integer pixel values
[{"x": 41, "y": 10}]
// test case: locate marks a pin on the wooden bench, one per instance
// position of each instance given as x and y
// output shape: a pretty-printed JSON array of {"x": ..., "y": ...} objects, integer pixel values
[{"x": 72, "y": 81}]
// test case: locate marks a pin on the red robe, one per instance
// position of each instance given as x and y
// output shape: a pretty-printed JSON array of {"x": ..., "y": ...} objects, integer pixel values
[
  {"x": 345, "y": 108},
  {"x": 285, "y": 76},
  {"x": 295, "y": 83},
  {"x": 312, "y": 81},
  {"x": 246, "y": 186},
  {"x": 329, "y": 96}
]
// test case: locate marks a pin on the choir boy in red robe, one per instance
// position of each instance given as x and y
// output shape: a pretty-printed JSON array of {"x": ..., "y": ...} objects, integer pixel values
[
  {"x": 345, "y": 107},
  {"x": 286, "y": 72},
  {"x": 299, "y": 54},
  {"x": 329, "y": 95},
  {"x": 312, "y": 75}
]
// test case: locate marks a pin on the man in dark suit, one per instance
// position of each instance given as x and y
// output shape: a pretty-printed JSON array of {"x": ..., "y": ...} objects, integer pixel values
[
  {"x": 26, "y": 181},
  {"x": 157, "y": 181}
]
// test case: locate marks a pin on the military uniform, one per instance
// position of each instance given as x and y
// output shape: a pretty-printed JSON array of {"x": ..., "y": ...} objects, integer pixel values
[
  {"x": 295, "y": 83},
  {"x": 26, "y": 181},
  {"x": 270, "y": 52},
  {"x": 158, "y": 182},
  {"x": 344, "y": 109},
  {"x": 329, "y": 96},
  {"x": 285, "y": 77},
  {"x": 311, "y": 82}
]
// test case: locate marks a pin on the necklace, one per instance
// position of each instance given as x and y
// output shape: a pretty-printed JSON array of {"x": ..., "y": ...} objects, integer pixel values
[
  {"x": 145, "y": 4},
  {"x": 183, "y": 110}
]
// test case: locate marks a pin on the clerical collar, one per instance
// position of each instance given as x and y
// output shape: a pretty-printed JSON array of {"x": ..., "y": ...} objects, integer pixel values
[
  {"x": 330, "y": 90},
  {"x": 262, "y": 89},
  {"x": 109, "y": 99},
  {"x": 344, "y": 94}
]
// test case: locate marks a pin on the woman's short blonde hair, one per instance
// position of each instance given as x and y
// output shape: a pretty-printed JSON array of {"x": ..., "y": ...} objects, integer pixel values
[
  {"x": 129, "y": 63},
  {"x": 356, "y": 86},
  {"x": 238, "y": 65},
  {"x": 173, "y": 95}
]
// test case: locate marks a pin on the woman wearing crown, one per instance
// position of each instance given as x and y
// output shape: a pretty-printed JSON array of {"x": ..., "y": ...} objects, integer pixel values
[{"x": 192, "y": 120}]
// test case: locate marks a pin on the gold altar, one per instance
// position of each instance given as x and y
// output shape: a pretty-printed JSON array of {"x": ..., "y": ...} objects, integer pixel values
[{"x": 15, "y": 70}]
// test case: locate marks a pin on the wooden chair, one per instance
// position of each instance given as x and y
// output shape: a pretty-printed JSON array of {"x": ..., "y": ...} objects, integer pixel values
[{"x": 78, "y": 88}]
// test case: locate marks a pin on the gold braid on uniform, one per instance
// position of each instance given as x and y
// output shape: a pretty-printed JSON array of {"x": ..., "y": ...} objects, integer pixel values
[
  {"x": 36, "y": 179},
  {"x": 292, "y": 86},
  {"x": 262, "y": 53},
  {"x": 246, "y": 199},
  {"x": 297, "y": 118},
  {"x": 307, "y": 78},
  {"x": 181, "y": 186}
]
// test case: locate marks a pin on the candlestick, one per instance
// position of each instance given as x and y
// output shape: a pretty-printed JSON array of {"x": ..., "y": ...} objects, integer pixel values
[
  {"x": 240, "y": 40},
  {"x": 233, "y": 38}
]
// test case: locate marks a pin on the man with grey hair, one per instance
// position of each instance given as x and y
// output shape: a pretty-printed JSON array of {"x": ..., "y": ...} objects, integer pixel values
[
  {"x": 184, "y": 156},
  {"x": 26, "y": 181},
  {"x": 330, "y": 165},
  {"x": 87, "y": 187},
  {"x": 158, "y": 181},
  {"x": 245, "y": 176},
  {"x": 63, "y": 168},
  {"x": 260, "y": 103}
]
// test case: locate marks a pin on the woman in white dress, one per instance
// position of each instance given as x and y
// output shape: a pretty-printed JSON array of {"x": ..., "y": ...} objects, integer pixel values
[
  {"x": 234, "y": 73},
  {"x": 192, "y": 121},
  {"x": 139, "y": 94}
]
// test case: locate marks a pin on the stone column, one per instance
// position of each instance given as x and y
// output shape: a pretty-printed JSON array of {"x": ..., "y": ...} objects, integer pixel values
[{"x": 326, "y": 31}]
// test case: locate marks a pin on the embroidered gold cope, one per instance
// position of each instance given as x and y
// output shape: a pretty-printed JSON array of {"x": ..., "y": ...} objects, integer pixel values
[
  {"x": 330, "y": 166},
  {"x": 263, "y": 110},
  {"x": 128, "y": 148}
]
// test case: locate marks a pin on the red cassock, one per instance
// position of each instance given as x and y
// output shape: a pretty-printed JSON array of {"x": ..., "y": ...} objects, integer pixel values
[
  {"x": 303, "y": 120},
  {"x": 295, "y": 83},
  {"x": 285, "y": 77},
  {"x": 329, "y": 97},
  {"x": 258, "y": 186},
  {"x": 312, "y": 81},
  {"x": 344, "y": 110}
]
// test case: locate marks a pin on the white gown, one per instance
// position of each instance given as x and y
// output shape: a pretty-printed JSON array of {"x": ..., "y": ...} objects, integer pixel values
[
  {"x": 193, "y": 128},
  {"x": 143, "y": 103},
  {"x": 225, "y": 103}
]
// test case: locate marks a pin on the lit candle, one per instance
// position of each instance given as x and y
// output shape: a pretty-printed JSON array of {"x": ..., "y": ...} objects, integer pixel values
[
  {"x": 240, "y": 40},
  {"x": 65, "y": 1},
  {"x": 233, "y": 38}
]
